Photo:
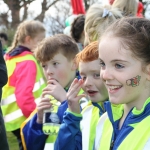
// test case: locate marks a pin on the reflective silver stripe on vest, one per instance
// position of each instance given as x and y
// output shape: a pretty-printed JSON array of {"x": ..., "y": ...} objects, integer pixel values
[
  {"x": 83, "y": 102},
  {"x": 37, "y": 100},
  {"x": 147, "y": 145},
  {"x": 99, "y": 130},
  {"x": 85, "y": 127},
  {"x": 14, "y": 115},
  {"x": 49, "y": 146},
  {"x": 37, "y": 85},
  {"x": 10, "y": 99}
]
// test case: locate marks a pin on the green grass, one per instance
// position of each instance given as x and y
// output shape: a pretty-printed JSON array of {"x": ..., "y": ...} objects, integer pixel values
[{"x": 12, "y": 141}]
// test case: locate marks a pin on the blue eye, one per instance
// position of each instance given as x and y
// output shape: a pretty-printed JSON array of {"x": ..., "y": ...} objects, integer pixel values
[
  {"x": 55, "y": 63},
  {"x": 102, "y": 64},
  {"x": 118, "y": 66},
  {"x": 83, "y": 78},
  {"x": 96, "y": 75}
]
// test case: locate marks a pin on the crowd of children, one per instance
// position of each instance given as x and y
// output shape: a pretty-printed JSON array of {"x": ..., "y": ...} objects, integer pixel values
[{"x": 104, "y": 63}]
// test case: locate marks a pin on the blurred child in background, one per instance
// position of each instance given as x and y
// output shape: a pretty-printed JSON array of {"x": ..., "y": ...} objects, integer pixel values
[
  {"x": 98, "y": 18},
  {"x": 25, "y": 78},
  {"x": 4, "y": 41},
  {"x": 77, "y": 31}
]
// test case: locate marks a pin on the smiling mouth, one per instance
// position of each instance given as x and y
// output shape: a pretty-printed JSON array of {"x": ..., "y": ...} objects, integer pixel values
[{"x": 114, "y": 87}]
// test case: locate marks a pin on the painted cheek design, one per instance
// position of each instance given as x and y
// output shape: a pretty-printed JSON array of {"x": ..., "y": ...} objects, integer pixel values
[{"x": 133, "y": 81}]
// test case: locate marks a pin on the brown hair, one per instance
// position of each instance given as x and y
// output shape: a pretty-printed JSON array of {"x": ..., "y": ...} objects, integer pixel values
[
  {"x": 51, "y": 46},
  {"x": 95, "y": 23},
  {"x": 89, "y": 53},
  {"x": 134, "y": 34},
  {"x": 26, "y": 28}
]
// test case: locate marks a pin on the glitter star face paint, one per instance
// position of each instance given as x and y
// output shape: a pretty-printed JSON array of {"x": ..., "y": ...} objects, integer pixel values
[{"x": 135, "y": 81}]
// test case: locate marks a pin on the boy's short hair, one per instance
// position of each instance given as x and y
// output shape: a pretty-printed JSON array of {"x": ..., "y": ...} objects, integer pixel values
[
  {"x": 4, "y": 36},
  {"x": 53, "y": 45},
  {"x": 77, "y": 27},
  {"x": 89, "y": 53}
]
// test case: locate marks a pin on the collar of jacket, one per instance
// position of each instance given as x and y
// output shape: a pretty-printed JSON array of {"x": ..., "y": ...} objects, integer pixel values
[
  {"x": 18, "y": 50},
  {"x": 135, "y": 116}
]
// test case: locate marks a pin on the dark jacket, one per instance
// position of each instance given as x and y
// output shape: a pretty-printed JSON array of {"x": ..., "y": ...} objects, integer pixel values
[{"x": 3, "y": 81}]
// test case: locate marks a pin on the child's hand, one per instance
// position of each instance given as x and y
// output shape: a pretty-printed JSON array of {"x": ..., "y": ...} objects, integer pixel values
[
  {"x": 73, "y": 97},
  {"x": 56, "y": 90},
  {"x": 43, "y": 105}
]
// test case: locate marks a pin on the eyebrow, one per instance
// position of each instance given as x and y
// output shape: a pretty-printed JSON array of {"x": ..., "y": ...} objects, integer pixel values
[
  {"x": 90, "y": 71},
  {"x": 115, "y": 60},
  {"x": 55, "y": 59}
]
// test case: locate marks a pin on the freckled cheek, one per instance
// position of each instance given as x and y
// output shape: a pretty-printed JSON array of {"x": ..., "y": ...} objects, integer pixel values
[
  {"x": 45, "y": 74},
  {"x": 62, "y": 75}
]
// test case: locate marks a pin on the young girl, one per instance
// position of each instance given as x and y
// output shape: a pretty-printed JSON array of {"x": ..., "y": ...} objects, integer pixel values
[
  {"x": 126, "y": 74},
  {"x": 25, "y": 79},
  {"x": 98, "y": 18}
]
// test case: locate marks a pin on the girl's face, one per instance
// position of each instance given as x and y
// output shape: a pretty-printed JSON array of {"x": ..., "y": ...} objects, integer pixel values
[
  {"x": 34, "y": 42},
  {"x": 122, "y": 73}
]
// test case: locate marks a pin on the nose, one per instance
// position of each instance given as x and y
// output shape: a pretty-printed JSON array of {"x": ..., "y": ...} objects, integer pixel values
[
  {"x": 88, "y": 82},
  {"x": 106, "y": 74},
  {"x": 49, "y": 71}
]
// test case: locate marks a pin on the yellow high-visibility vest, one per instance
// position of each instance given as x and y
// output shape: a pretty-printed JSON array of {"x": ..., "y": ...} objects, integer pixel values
[
  {"x": 137, "y": 139},
  {"x": 13, "y": 115}
]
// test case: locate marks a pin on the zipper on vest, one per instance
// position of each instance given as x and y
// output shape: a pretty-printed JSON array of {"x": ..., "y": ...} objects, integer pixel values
[{"x": 112, "y": 145}]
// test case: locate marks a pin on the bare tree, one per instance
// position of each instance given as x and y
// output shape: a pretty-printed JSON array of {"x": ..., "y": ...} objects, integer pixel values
[
  {"x": 56, "y": 23},
  {"x": 14, "y": 7}
]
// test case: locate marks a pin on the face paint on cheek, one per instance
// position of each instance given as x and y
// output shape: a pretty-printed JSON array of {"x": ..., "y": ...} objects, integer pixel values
[{"x": 133, "y": 81}]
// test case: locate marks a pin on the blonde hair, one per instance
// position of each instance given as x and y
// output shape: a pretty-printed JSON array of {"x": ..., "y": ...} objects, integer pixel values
[
  {"x": 26, "y": 28},
  {"x": 95, "y": 23},
  {"x": 128, "y": 7}
]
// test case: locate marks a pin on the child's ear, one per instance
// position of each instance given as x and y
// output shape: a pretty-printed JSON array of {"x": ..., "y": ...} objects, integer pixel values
[
  {"x": 27, "y": 39},
  {"x": 148, "y": 71},
  {"x": 74, "y": 65}
]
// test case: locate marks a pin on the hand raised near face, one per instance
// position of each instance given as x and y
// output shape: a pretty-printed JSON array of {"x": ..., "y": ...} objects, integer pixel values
[
  {"x": 73, "y": 97},
  {"x": 56, "y": 90}
]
